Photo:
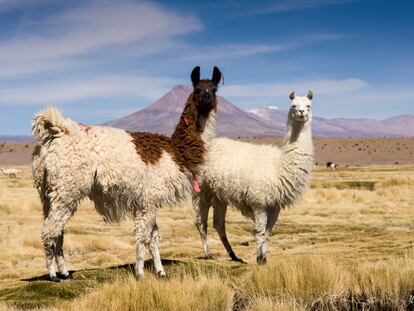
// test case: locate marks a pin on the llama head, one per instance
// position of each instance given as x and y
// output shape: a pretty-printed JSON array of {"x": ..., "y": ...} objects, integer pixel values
[
  {"x": 300, "y": 111},
  {"x": 204, "y": 93}
]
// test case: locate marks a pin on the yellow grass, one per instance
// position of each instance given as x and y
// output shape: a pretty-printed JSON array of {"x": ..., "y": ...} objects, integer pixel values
[
  {"x": 151, "y": 294},
  {"x": 348, "y": 242}
]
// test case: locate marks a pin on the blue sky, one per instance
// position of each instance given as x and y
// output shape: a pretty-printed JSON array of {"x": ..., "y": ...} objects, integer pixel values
[{"x": 99, "y": 60}]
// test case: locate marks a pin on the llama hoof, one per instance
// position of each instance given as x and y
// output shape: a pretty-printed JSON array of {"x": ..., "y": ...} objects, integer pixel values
[
  {"x": 161, "y": 274},
  {"x": 64, "y": 276},
  {"x": 237, "y": 259},
  {"x": 261, "y": 260},
  {"x": 55, "y": 279},
  {"x": 205, "y": 257}
]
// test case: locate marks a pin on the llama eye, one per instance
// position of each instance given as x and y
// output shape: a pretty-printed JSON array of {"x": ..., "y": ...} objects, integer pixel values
[
  {"x": 294, "y": 106},
  {"x": 308, "y": 106}
]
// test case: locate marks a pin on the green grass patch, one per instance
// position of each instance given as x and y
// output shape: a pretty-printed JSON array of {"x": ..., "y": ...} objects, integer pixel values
[
  {"x": 348, "y": 184},
  {"x": 41, "y": 293}
]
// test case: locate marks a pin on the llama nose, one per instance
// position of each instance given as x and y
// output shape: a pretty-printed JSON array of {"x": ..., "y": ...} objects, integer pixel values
[
  {"x": 207, "y": 96},
  {"x": 301, "y": 111}
]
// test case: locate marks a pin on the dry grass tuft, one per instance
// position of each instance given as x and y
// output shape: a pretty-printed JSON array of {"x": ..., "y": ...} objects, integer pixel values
[
  {"x": 397, "y": 181},
  {"x": 388, "y": 283},
  {"x": 318, "y": 283},
  {"x": 303, "y": 279},
  {"x": 4, "y": 307},
  {"x": 268, "y": 304},
  {"x": 153, "y": 294}
]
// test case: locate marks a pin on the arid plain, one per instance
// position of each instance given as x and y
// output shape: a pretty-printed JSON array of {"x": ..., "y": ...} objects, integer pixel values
[{"x": 347, "y": 245}]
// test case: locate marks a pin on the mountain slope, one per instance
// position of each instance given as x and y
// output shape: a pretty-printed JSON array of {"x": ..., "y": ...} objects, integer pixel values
[
  {"x": 16, "y": 138},
  {"x": 345, "y": 127},
  {"x": 163, "y": 115}
]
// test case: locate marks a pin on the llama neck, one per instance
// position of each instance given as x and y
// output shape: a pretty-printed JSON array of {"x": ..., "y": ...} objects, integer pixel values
[
  {"x": 296, "y": 162},
  {"x": 298, "y": 136},
  {"x": 298, "y": 147},
  {"x": 191, "y": 137},
  {"x": 207, "y": 126}
]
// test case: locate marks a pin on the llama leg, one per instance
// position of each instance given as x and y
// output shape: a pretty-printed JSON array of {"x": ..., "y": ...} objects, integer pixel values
[
  {"x": 272, "y": 215},
  {"x": 144, "y": 229},
  {"x": 219, "y": 218},
  {"x": 155, "y": 251},
  {"x": 260, "y": 222},
  {"x": 60, "y": 260},
  {"x": 203, "y": 207},
  {"x": 53, "y": 225}
]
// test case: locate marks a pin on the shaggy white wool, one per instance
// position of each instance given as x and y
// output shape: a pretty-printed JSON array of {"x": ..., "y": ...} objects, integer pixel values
[{"x": 256, "y": 179}]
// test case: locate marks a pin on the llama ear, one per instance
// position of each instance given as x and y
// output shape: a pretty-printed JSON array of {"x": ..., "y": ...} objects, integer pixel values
[
  {"x": 310, "y": 95},
  {"x": 195, "y": 75},
  {"x": 292, "y": 95},
  {"x": 216, "y": 75}
]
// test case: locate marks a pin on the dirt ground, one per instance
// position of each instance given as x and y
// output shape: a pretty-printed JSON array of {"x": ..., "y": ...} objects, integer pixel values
[
  {"x": 343, "y": 151},
  {"x": 15, "y": 153},
  {"x": 356, "y": 151}
]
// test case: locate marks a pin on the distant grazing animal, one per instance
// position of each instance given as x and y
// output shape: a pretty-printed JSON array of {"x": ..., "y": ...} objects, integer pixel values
[
  {"x": 258, "y": 180},
  {"x": 123, "y": 173},
  {"x": 331, "y": 165},
  {"x": 10, "y": 172}
]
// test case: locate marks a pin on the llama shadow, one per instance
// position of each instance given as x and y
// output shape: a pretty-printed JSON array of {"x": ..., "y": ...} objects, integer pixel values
[{"x": 129, "y": 267}]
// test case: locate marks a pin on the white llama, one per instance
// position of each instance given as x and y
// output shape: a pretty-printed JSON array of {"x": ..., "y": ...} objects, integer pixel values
[
  {"x": 123, "y": 173},
  {"x": 10, "y": 172},
  {"x": 259, "y": 180}
]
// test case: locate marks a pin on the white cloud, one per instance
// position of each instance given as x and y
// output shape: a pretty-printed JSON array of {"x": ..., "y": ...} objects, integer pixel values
[
  {"x": 230, "y": 51},
  {"x": 91, "y": 29},
  {"x": 293, "y": 5},
  {"x": 23, "y": 68},
  {"x": 401, "y": 95},
  {"x": 68, "y": 91},
  {"x": 233, "y": 51},
  {"x": 353, "y": 98},
  {"x": 320, "y": 87}
]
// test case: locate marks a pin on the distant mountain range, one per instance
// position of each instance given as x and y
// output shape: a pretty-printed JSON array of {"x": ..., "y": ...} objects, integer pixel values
[
  {"x": 162, "y": 116},
  {"x": 16, "y": 138},
  {"x": 344, "y": 127}
]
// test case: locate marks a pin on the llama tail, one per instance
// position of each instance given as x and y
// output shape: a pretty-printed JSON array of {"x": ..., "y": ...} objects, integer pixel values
[{"x": 49, "y": 124}]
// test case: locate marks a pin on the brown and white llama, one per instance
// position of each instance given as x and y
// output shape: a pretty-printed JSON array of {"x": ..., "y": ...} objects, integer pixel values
[
  {"x": 331, "y": 165},
  {"x": 123, "y": 173}
]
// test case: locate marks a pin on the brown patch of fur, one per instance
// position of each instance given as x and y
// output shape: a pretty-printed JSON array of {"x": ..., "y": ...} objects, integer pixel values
[
  {"x": 186, "y": 146},
  {"x": 150, "y": 146}
]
